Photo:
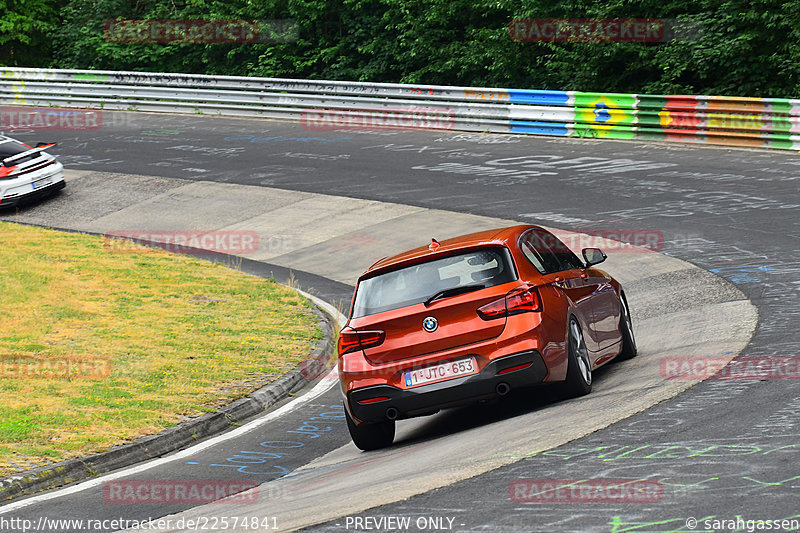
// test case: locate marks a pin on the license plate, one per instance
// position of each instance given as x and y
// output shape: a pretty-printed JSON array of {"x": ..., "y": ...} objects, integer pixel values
[
  {"x": 41, "y": 183},
  {"x": 440, "y": 371}
]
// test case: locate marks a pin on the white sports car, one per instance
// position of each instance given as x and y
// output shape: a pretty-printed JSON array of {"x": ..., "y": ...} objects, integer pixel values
[{"x": 27, "y": 173}]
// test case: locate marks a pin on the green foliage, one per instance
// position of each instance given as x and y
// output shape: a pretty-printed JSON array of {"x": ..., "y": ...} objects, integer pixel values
[
  {"x": 744, "y": 47},
  {"x": 26, "y": 27},
  {"x": 748, "y": 48}
]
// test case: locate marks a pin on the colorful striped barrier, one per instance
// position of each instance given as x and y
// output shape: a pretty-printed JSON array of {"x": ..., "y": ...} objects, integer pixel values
[{"x": 731, "y": 121}]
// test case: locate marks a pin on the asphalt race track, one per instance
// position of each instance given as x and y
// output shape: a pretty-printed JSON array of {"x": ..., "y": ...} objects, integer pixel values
[{"x": 719, "y": 450}]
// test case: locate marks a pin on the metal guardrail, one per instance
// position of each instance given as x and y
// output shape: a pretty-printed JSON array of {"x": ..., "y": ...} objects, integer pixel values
[{"x": 734, "y": 121}]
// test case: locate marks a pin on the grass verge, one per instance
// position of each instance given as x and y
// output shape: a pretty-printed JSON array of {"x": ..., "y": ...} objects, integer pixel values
[{"x": 98, "y": 348}]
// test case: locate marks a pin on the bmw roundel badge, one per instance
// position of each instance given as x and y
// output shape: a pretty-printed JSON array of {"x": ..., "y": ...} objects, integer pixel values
[{"x": 430, "y": 324}]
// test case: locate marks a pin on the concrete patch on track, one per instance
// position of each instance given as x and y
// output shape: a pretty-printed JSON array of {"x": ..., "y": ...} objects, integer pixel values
[
  {"x": 679, "y": 310},
  {"x": 90, "y": 196},
  {"x": 195, "y": 206},
  {"x": 319, "y": 219}
]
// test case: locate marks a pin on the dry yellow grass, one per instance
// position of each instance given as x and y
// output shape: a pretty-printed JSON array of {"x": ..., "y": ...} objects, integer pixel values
[{"x": 150, "y": 337}]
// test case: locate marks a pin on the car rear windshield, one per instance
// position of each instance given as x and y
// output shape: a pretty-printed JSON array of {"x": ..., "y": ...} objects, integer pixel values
[
  {"x": 12, "y": 148},
  {"x": 484, "y": 267}
]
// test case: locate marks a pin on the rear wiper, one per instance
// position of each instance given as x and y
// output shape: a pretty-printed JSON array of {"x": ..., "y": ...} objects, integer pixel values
[{"x": 452, "y": 292}]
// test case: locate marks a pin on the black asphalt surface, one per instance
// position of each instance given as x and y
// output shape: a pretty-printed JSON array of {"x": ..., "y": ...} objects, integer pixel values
[{"x": 722, "y": 450}]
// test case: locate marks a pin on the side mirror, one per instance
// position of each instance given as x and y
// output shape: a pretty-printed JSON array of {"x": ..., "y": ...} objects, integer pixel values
[
  {"x": 593, "y": 256},
  {"x": 39, "y": 145}
]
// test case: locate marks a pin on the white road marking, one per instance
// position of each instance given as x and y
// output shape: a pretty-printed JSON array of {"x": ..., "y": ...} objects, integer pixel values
[{"x": 320, "y": 388}]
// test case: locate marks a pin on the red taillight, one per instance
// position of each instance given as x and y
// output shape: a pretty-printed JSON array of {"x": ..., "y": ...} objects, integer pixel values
[
  {"x": 496, "y": 309},
  {"x": 522, "y": 300},
  {"x": 351, "y": 340},
  {"x": 519, "y": 300},
  {"x": 7, "y": 171},
  {"x": 514, "y": 368},
  {"x": 374, "y": 400}
]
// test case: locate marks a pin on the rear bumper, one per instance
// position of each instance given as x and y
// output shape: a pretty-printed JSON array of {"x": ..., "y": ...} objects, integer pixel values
[
  {"x": 20, "y": 191},
  {"x": 521, "y": 369}
]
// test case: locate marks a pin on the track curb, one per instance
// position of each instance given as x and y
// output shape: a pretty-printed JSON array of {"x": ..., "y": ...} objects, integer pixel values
[{"x": 184, "y": 434}]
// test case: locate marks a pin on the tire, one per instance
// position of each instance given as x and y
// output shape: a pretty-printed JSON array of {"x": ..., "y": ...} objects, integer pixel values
[
  {"x": 579, "y": 369},
  {"x": 629, "y": 350},
  {"x": 371, "y": 436}
]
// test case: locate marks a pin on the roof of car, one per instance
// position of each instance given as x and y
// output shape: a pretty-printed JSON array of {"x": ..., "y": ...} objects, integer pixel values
[{"x": 499, "y": 236}]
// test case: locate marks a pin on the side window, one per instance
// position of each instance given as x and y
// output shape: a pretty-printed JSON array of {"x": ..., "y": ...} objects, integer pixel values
[
  {"x": 532, "y": 255},
  {"x": 565, "y": 256},
  {"x": 547, "y": 253},
  {"x": 539, "y": 254}
]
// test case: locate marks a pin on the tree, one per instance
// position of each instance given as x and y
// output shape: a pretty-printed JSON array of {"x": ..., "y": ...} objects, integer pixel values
[{"x": 26, "y": 30}]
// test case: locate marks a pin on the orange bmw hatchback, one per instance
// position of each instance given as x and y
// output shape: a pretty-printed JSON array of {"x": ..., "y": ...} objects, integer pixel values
[{"x": 469, "y": 319}]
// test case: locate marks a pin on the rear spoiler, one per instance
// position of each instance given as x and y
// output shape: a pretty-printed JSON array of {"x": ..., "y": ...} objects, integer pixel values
[{"x": 22, "y": 155}]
